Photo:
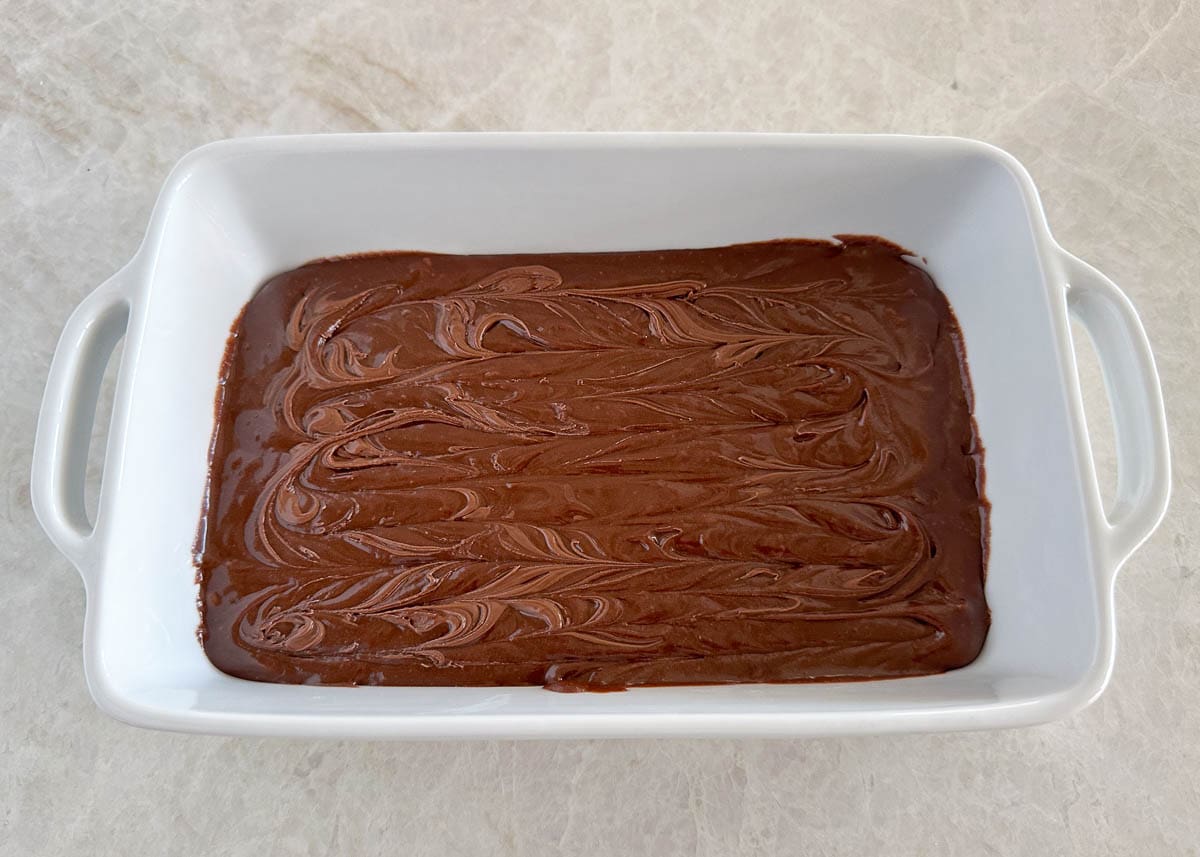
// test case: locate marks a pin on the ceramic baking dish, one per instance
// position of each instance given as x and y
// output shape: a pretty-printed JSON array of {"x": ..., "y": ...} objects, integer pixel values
[{"x": 234, "y": 213}]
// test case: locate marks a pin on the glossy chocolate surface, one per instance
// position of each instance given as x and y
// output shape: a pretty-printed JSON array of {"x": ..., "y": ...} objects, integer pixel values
[{"x": 594, "y": 471}]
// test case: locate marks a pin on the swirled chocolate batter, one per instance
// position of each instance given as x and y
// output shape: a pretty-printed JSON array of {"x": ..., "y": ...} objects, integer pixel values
[{"x": 593, "y": 471}]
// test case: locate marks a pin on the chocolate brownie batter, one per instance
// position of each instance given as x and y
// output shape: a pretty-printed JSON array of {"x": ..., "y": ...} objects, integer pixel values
[{"x": 593, "y": 471}]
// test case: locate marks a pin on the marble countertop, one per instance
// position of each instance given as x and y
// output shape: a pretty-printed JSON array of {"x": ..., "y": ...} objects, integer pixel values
[{"x": 1101, "y": 101}]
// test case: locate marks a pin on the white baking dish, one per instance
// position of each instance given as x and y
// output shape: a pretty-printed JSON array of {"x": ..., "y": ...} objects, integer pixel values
[{"x": 234, "y": 213}]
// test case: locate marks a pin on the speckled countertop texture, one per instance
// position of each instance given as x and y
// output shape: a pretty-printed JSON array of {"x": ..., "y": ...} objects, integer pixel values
[{"x": 1100, "y": 100}]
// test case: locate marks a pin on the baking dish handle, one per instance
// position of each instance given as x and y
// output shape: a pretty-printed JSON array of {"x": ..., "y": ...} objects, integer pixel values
[
  {"x": 1135, "y": 396},
  {"x": 60, "y": 450}
]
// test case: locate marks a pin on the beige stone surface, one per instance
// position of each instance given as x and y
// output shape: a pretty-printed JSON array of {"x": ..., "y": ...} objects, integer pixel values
[{"x": 1100, "y": 99}]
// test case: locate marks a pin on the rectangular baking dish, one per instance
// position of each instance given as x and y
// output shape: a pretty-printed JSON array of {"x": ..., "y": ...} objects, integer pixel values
[{"x": 233, "y": 213}]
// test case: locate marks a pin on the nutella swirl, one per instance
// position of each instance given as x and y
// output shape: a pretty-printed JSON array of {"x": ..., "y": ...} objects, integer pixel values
[{"x": 594, "y": 471}]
